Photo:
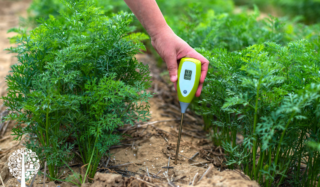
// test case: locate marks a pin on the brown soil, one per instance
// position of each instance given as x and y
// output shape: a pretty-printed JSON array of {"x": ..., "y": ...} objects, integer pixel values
[{"x": 140, "y": 159}]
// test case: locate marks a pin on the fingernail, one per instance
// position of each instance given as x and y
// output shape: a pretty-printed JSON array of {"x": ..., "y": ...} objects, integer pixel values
[{"x": 173, "y": 78}]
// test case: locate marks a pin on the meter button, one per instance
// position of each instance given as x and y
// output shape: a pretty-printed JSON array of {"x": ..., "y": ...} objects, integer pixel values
[{"x": 185, "y": 91}]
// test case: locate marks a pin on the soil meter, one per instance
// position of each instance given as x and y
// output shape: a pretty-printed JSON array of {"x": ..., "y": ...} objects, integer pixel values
[{"x": 188, "y": 81}]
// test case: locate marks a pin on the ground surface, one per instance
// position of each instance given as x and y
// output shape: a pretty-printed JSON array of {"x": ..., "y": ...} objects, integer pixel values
[{"x": 142, "y": 157}]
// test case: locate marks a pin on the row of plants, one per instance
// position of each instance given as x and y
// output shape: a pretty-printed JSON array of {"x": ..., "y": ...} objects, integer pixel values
[
  {"x": 76, "y": 82},
  {"x": 307, "y": 10},
  {"x": 263, "y": 83},
  {"x": 39, "y": 11},
  {"x": 172, "y": 10},
  {"x": 269, "y": 94},
  {"x": 233, "y": 32}
]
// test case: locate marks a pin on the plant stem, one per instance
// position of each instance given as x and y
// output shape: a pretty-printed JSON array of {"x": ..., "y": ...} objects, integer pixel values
[
  {"x": 47, "y": 126},
  {"x": 89, "y": 162},
  {"x": 288, "y": 164},
  {"x": 300, "y": 155},
  {"x": 270, "y": 155},
  {"x": 254, "y": 131},
  {"x": 317, "y": 160},
  {"x": 309, "y": 168},
  {"x": 260, "y": 164},
  {"x": 50, "y": 166},
  {"x": 281, "y": 139}
]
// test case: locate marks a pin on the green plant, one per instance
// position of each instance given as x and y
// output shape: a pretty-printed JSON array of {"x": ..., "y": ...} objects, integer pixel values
[
  {"x": 172, "y": 10},
  {"x": 270, "y": 94},
  {"x": 76, "y": 82},
  {"x": 175, "y": 10},
  {"x": 209, "y": 30},
  {"x": 40, "y": 10},
  {"x": 308, "y": 9}
]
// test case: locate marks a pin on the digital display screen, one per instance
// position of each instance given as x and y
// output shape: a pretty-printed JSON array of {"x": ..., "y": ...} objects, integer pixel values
[{"x": 187, "y": 74}]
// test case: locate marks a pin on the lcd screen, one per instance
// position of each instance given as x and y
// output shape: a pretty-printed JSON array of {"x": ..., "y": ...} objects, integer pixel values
[{"x": 187, "y": 74}]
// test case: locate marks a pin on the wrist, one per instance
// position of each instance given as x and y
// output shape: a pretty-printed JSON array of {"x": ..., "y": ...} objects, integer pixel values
[{"x": 160, "y": 32}]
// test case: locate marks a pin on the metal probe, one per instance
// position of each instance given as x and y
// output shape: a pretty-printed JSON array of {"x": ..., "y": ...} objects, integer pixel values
[{"x": 178, "y": 143}]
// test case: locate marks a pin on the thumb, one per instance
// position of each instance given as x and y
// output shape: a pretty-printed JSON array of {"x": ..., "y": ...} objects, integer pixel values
[{"x": 172, "y": 66}]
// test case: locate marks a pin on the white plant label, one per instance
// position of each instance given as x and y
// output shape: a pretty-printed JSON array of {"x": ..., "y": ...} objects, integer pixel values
[{"x": 23, "y": 164}]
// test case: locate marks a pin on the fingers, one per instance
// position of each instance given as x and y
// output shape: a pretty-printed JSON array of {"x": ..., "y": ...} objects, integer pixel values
[
  {"x": 194, "y": 54},
  {"x": 198, "y": 92},
  {"x": 204, "y": 64},
  {"x": 172, "y": 66},
  {"x": 204, "y": 68}
]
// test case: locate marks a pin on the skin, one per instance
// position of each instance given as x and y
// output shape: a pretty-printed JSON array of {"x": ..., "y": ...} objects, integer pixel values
[{"x": 169, "y": 46}]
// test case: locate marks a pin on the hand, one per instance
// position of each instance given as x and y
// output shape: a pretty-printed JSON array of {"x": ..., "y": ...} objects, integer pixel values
[{"x": 171, "y": 48}]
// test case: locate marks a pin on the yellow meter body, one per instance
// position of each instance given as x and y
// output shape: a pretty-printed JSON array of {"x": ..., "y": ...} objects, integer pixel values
[{"x": 189, "y": 73}]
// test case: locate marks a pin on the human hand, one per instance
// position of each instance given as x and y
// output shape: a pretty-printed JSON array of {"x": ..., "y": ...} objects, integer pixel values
[{"x": 171, "y": 48}]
